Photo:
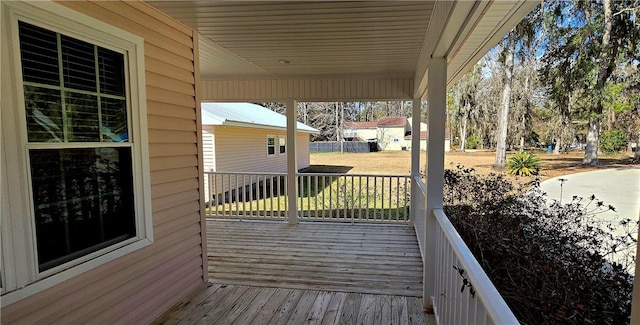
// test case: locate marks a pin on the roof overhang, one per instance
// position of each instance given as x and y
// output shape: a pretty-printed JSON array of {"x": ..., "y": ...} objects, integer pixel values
[
  {"x": 260, "y": 126},
  {"x": 338, "y": 51}
]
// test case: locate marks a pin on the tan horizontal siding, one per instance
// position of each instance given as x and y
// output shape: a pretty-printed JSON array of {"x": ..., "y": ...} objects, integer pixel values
[
  {"x": 170, "y": 110},
  {"x": 171, "y": 136},
  {"x": 173, "y": 187},
  {"x": 161, "y": 163},
  {"x": 139, "y": 286},
  {"x": 307, "y": 89},
  {"x": 166, "y": 202},
  {"x": 170, "y": 123}
]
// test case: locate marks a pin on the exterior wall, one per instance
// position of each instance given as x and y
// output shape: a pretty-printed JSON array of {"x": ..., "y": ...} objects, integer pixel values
[
  {"x": 302, "y": 150},
  {"x": 241, "y": 149},
  {"x": 208, "y": 148},
  {"x": 366, "y": 134},
  {"x": 140, "y": 286},
  {"x": 387, "y": 135}
]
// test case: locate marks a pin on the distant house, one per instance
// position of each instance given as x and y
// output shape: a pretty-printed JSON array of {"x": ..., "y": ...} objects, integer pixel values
[
  {"x": 245, "y": 137},
  {"x": 391, "y": 133}
]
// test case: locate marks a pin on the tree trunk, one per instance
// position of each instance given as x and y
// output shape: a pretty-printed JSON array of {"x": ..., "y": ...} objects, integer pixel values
[
  {"x": 556, "y": 150},
  {"x": 636, "y": 157},
  {"x": 524, "y": 125},
  {"x": 605, "y": 62},
  {"x": 503, "y": 118},
  {"x": 463, "y": 134}
]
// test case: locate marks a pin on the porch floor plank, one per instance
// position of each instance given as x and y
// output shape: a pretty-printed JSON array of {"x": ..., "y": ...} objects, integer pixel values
[
  {"x": 311, "y": 273},
  {"x": 365, "y": 258}
]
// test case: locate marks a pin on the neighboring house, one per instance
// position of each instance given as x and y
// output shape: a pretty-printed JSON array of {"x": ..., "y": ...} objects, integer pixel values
[
  {"x": 391, "y": 133},
  {"x": 245, "y": 137}
]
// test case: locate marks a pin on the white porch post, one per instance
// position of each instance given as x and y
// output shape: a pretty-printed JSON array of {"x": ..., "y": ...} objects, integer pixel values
[
  {"x": 436, "y": 92},
  {"x": 292, "y": 163},
  {"x": 415, "y": 154}
]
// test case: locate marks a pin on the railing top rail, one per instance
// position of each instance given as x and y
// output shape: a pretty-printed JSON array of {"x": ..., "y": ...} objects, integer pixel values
[
  {"x": 421, "y": 185},
  {"x": 494, "y": 303},
  {"x": 245, "y": 173},
  {"x": 354, "y": 175}
]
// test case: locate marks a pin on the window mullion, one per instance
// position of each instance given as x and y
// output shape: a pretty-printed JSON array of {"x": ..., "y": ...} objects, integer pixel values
[
  {"x": 63, "y": 102},
  {"x": 97, "y": 66}
]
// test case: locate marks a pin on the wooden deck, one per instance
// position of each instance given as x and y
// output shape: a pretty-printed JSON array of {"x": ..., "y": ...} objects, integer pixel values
[
  {"x": 310, "y": 273},
  {"x": 233, "y": 304},
  {"x": 363, "y": 258}
]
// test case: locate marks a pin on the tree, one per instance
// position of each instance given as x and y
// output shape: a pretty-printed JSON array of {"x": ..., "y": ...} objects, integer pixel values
[
  {"x": 517, "y": 42},
  {"x": 465, "y": 102},
  {"x": 586, "y": 42}
]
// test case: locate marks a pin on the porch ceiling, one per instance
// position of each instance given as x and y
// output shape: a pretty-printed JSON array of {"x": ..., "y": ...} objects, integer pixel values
[{"x": 342, "y": 40}]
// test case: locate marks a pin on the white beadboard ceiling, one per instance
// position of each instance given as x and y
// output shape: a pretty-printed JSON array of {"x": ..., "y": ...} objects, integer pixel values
[{"x": 342, "y": 40}]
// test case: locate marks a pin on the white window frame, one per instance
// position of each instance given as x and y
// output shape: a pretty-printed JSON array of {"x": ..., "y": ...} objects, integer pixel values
[
  {"x": 281, "y": 144},
  {"x": 275, "y": 146},
  {"x": 20, "y": 274}
]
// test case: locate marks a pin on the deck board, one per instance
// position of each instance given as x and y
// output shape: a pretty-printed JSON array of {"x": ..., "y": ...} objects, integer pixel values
[
  {"x": 362, "y": 258},
  {"x": 310, "y": 273}
]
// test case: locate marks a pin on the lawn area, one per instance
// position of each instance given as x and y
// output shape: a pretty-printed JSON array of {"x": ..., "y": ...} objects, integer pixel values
[{"x": 399, "y": 162}]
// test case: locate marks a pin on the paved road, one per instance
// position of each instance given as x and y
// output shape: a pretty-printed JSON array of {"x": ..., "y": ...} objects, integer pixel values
[{"x": 618, "y": 187}]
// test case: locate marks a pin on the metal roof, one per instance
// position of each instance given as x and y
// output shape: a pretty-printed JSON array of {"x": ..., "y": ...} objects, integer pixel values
[{"x": 246, "y": 115}]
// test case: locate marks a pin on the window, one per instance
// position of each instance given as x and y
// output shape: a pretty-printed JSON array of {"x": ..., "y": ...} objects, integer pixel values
[
  {"x": 283, "y": 145},
  {"x": 271, "y": 145},
  {"x": 82, "y": 196},
  {"x": 80, "y": 145}
]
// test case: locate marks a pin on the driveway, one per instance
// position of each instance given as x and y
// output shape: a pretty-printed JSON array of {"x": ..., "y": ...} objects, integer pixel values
[{"x": 619, "y": 187}]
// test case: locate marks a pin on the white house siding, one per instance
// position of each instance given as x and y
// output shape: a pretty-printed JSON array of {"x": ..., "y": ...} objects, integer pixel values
[
  {"x": 244, "y": 149},
  {"x": 302, "y": 150},
  {"x": 391, "y": 138},
  {"x": 140, "y": 286}
]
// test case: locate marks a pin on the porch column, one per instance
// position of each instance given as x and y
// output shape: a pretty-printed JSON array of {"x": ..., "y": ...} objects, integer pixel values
[
  {"x": 292, "y": 163},
  {"x": 415, "y": 153},
  {"x": 436, "y": 93}
]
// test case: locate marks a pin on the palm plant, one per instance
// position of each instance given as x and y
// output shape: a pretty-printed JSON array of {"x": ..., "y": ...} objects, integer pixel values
[{"x": 523, "y": 164}]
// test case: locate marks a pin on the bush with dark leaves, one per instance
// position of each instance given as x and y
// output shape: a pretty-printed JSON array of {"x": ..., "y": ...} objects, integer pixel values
[{"x": 551, "y": 262}]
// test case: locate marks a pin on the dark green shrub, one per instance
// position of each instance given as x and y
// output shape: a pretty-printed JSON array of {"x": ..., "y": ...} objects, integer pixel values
[
  {"x": 613, "y": 141},
  {"x": 547, "y": 259},
  {"x": 523, "y": 164}
]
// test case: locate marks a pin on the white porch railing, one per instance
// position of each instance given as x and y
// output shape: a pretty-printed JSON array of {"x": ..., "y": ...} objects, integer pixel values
[
  {"x": 463, "y": 293},
  {"x": 237, "y": 195},
  {"x": 320, "y": 197},
  {"x": 353, "y": 197}
]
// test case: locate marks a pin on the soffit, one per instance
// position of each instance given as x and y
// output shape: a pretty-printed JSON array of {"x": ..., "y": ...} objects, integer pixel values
[
  {"x": 342, "y": 50},
  {"x": 343, "y": 39}
]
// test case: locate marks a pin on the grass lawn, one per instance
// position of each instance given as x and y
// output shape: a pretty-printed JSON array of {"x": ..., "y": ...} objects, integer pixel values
[{"x": 399, "y": 162}]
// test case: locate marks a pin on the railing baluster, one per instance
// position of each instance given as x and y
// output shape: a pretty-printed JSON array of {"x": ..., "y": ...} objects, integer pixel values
[
  {"x": 264, "y": 196},
  {"x": 315, "y": 204},
  {"x": 330, "y": 197},
  {"x": 375, "y": 197},
  {"x": 397, "y": 218},
  {"x": 352, "y": 207},
  {"x": 359, "y": 197},
  {"x": 345, "y": 196},
  {"x": 368, "y": 206}
]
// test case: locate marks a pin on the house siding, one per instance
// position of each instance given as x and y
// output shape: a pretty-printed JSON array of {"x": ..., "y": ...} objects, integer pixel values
[
  {"x": 245, "y": 150},
  {"x": 140, "y": 286}
]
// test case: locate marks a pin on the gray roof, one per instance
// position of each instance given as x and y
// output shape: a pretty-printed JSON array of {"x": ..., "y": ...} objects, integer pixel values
[{"x": 247, "y": 115}]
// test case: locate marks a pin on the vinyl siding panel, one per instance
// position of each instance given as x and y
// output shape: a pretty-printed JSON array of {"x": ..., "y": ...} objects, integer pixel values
[
  {"x": 241, "y": 149},
  {"x": 140, "y": 286}
]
